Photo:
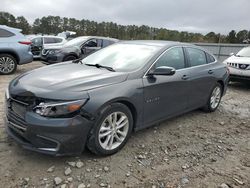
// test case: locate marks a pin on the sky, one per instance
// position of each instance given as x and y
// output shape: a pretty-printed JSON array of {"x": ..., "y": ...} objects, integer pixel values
[{"x": 203, "y": 16}]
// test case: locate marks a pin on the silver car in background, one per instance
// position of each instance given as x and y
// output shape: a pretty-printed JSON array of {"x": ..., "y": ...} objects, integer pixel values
[{"x": 14, "y": 49}]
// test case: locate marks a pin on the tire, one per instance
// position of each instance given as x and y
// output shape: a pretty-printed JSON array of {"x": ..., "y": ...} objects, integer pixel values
[
  {"x": 8, "y": 64},
  {"x": 70, "y": 58},
  {"x": 103, "y": 131},
  {"x": 214, "y": 99}
]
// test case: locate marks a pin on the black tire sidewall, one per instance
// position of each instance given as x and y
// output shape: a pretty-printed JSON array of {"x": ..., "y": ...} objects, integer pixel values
[
  {"x": 69, "y": 58},
  {"x": 15, "y": 63},
  {"x": 93, "y": 142}
]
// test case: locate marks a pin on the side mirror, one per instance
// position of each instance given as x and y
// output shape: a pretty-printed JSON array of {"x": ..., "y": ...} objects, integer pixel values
[
  {"x": 163, "y": 70},
  {"x": 231, "y": 54}
]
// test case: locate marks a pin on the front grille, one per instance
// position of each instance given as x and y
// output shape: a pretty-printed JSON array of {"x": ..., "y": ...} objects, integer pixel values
[
  {"x": 25, "y": 100},
  {"x": 16, "y": 122},
  {"x": 239, "y": 66}
]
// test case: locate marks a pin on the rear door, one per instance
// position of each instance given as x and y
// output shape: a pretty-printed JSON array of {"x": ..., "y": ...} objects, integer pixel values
[
  {"x": 165, "y": 96},
  {"x": 200, "y": 76}
]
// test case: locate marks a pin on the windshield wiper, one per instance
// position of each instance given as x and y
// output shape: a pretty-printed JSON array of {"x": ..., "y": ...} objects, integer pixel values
[{"x": 101, "y": 66}]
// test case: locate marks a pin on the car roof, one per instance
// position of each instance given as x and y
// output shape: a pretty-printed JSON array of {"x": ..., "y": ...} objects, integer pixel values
[
  {"x": 159, "y": 43},
  {"x": 100, "y": 37},
  {"x": 48, "y": 36},
  {"x": 12, "y": 29}
]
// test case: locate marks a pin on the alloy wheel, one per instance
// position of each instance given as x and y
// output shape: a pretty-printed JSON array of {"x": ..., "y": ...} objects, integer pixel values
[
  {"x": 7, "y": 65},
  {"x": 215, "y": 97},
  {"x": 113, "y": 130}
]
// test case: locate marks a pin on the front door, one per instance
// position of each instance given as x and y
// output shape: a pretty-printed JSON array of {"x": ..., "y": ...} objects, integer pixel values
[{"x": 166, "y": 96}]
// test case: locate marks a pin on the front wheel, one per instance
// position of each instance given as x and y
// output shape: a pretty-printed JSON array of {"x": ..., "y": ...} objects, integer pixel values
[
  {"x": 112, "y": 130},
  {"x": 214, "y": 99}
]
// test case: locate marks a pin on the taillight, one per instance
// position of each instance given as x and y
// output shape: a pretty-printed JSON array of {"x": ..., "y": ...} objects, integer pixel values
[{"x": 25, "y": 42}]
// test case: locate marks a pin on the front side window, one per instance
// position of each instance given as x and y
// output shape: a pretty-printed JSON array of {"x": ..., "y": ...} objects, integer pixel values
[
  {"x": 172, "y": 58},
  {"x": 91, "y": 43},
  {"x": 196, "y": 57},
  {"x": 123, "y": 57},
  {"x": 5, "y": 33}
]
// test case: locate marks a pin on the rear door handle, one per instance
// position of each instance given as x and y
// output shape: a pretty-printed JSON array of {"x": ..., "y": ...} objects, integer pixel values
[
  {"x": 184, "y": 77},
  {"x": 210, "y": 72}
]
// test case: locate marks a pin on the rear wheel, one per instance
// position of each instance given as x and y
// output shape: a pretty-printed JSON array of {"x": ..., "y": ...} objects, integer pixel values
[
  {"x": 69, "y": 58},
  {"x": 214, "y": 99},
  {"x": 8, "y": 64},
  {"x": 112, "y": 130}
]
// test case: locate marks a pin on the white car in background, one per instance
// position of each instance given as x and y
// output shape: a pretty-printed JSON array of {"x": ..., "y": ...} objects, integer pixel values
[
  {"x": 40, "y": 42},
  {"x": 239, "y": 65}
]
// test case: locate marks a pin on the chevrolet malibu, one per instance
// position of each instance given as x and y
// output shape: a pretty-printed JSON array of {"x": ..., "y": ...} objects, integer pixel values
[{"x": 100, "y": 100}]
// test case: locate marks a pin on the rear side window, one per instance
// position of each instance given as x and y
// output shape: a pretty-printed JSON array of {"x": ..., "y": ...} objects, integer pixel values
[
  {"x": 172, "y": 58},
  {"x": 196, "y": 57},
  {"x": 5, "y": 33},
  {"x": 48, "y": 40},
  {"x": 58, "y": 40},
  {"x": 210, "y": 59}
]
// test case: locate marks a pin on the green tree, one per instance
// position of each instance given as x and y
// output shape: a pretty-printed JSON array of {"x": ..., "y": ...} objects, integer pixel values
[
  {"x": 23, "y": 24},
  {"x": 241, "y": 36},
  {"x": 232, "y": 37}
]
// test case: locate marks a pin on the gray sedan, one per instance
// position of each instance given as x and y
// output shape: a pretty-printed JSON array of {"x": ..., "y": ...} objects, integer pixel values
[{"x": 100, "y": 100}]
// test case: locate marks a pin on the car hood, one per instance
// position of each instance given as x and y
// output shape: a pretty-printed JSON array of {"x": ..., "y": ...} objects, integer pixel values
[
  {"x": 240, "y": 60},
  {"x": 64, "y": 81}
]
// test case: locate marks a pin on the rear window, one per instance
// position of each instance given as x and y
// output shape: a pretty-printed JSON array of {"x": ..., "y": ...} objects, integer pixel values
[{"x": 5, "y": 33}]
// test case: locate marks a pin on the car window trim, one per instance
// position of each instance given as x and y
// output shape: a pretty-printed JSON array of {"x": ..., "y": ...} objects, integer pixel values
[{"x": 186, "y": 68}]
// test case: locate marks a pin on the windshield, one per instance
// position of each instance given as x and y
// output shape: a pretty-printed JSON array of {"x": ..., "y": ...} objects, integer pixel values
[
  {"x": 76, "y": 42},
  {"x": 123, "y": 57},
  {"x": 245, "y": 52}
]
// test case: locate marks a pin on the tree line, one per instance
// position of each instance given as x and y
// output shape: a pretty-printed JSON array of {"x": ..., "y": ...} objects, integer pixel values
[{"x": 56, "y": 24}]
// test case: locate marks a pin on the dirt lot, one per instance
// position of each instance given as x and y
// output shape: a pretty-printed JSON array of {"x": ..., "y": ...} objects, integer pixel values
[{"x": 194, "y": 150}]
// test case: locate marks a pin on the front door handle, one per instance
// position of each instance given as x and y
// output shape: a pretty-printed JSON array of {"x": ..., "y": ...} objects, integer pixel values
[
  {"x": 210, "y": 72},
  {"x": 184, "y": 77}
]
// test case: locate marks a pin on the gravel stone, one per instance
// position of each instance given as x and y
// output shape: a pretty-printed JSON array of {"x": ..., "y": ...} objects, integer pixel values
[
  {"x": 57, "y": 180},
  {"x": 67, "y": 171},
  {"x": 79, "y": 164}
]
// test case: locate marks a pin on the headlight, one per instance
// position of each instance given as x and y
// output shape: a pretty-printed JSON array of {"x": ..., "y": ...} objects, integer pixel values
[
  {"x": 54, "y": 109},
  {"x": 54, "y": 51}
]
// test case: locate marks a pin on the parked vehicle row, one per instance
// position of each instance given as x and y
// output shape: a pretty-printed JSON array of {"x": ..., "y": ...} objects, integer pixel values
[{"x": 98, "y": 101}]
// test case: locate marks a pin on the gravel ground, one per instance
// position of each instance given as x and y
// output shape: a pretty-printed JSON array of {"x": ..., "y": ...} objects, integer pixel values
[{"x": 194, "y": 150}]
